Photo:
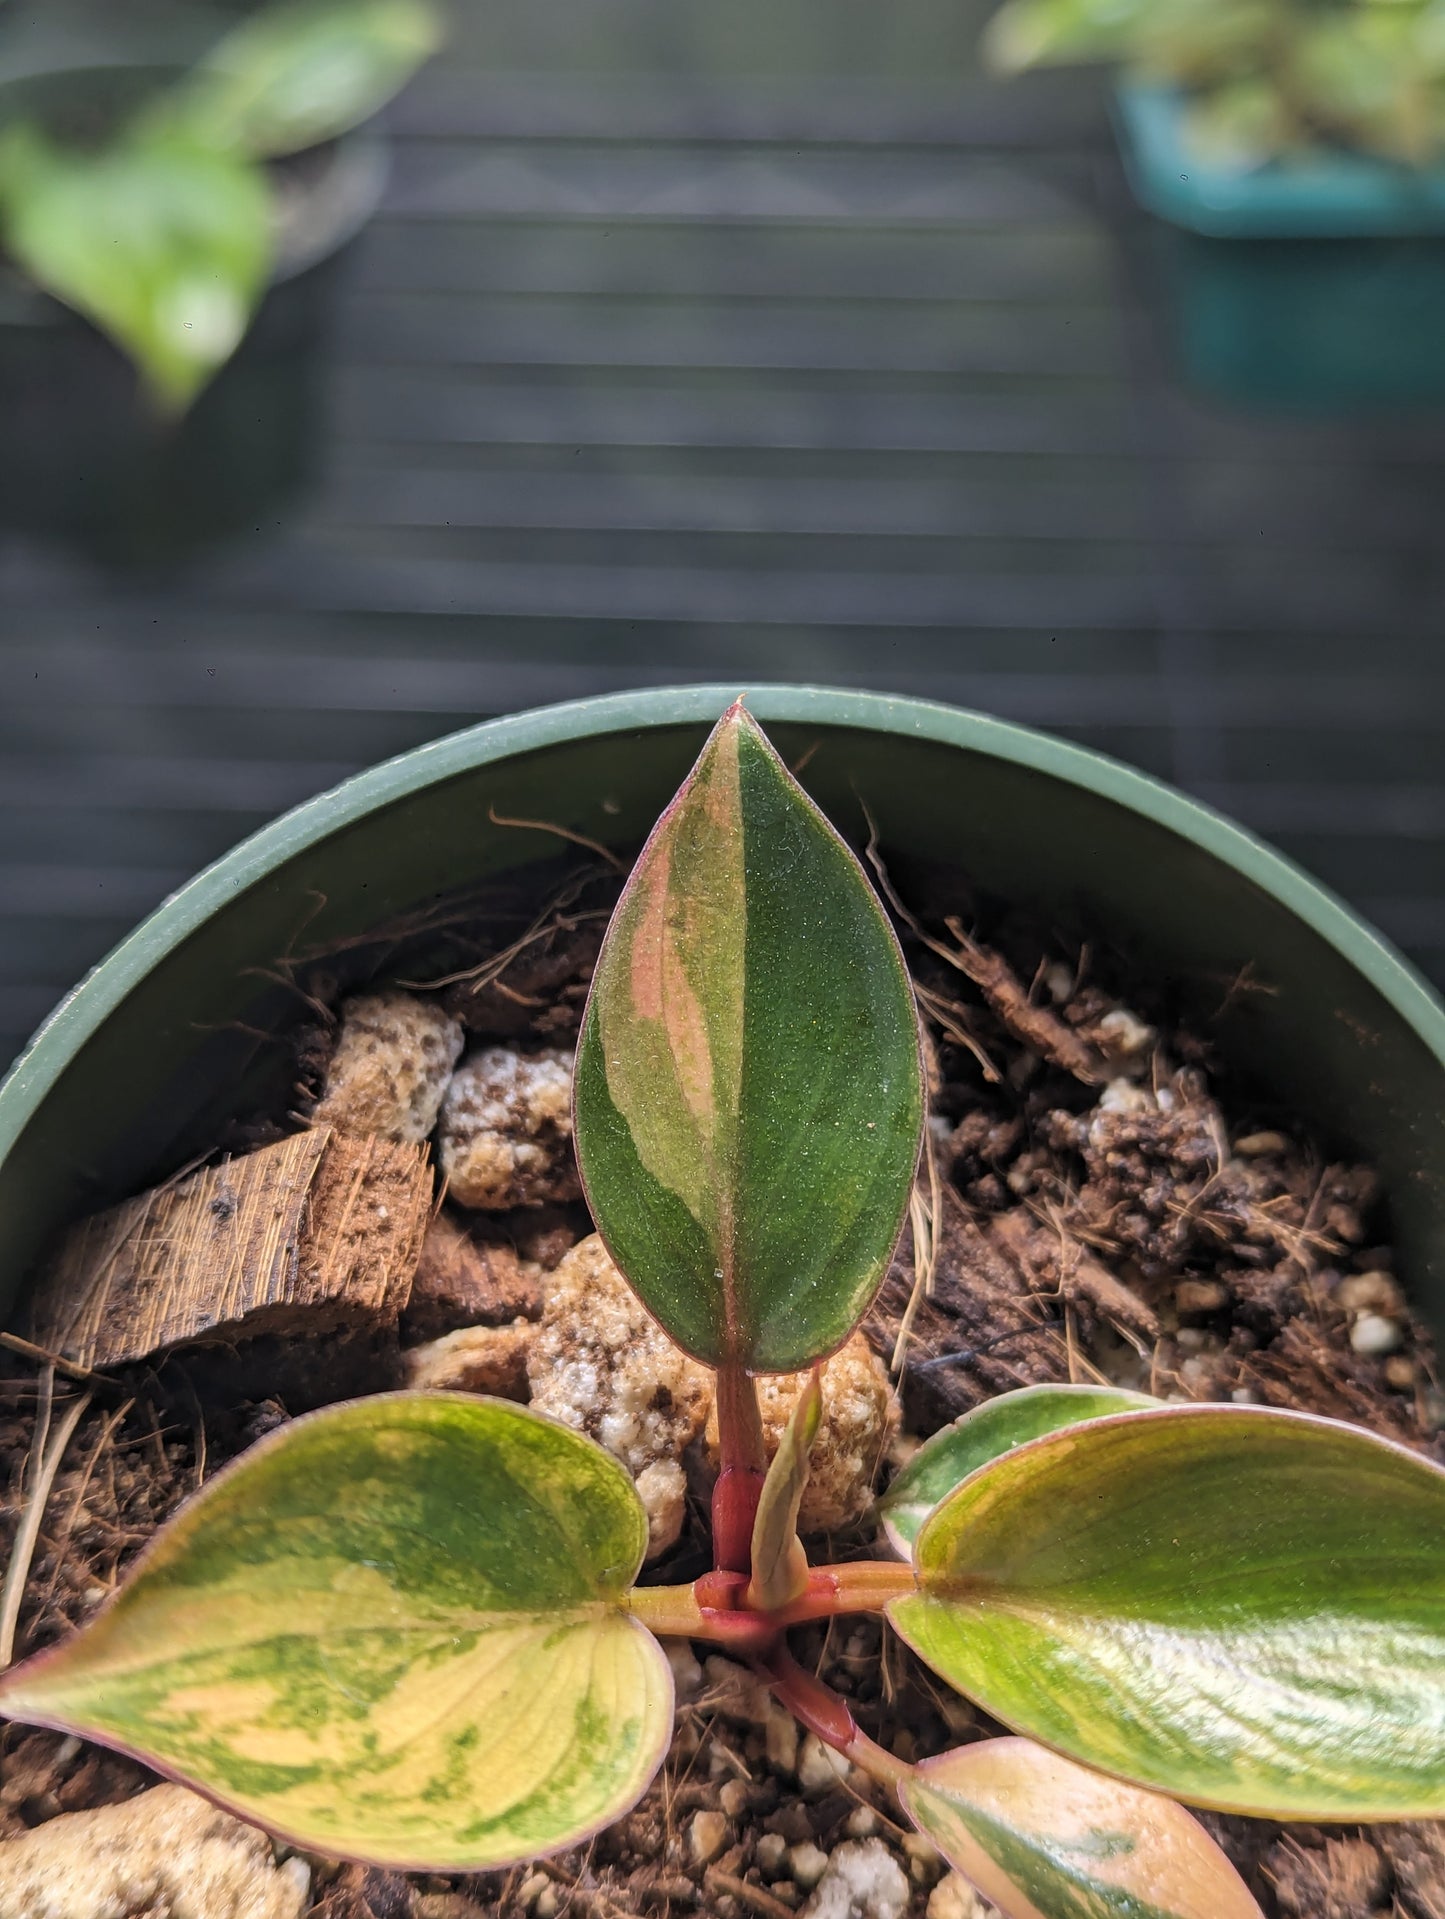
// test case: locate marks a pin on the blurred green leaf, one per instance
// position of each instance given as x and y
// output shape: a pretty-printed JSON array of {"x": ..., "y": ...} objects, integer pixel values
[
  {"x": 1239, "y": 126},
  {"x": 1240, "y": 1607},
  {"x": 162, "y": 242},
  {"x": 1200, "y": 43},
  {"x": 1031, "y": 33},
  {"x": 296, "y": 75}
]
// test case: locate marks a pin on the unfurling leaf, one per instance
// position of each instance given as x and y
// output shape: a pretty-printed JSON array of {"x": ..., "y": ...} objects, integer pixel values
[
  {"x": 748, "y": 1090},
  {"x": 995, "y": 1427},
  {"x": 162, "y": 242},
  {"x": 298, "y": 74},
  {"x": 391, "y": 1631},
  {"x": 780, "y": 1566},
  {"x": 1046, "y": 1839},
  {"x": 1241, "y": 1607}
]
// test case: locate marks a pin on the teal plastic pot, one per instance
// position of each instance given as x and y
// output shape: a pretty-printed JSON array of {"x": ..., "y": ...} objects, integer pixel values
[
  {"x": 1330, "y": 194},
  {"x": 142, "y": 1066},
  {"x": 1314, "y": 284}
]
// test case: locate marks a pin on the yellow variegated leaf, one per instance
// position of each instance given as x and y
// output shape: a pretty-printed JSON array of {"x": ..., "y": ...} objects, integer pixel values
[
  {"x": 392, "y": 1631},
  {"x": 975, "y": 1437},
  {"x": 1046, "y": 1839},
  {"x": 1240, "y": 1607}
]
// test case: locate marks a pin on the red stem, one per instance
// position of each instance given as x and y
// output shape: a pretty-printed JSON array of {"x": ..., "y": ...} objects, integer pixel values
[
  {"x": 713, "y": 1607},
  {"x": 743, "y": 1469},
  {"x": 828, "y": 1715}
]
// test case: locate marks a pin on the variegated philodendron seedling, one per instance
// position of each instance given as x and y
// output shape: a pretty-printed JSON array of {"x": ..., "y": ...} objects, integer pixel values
[{"x": 407, "y": 1629}]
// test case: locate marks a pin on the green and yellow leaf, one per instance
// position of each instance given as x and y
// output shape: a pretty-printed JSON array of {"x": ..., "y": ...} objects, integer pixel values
[
  {"x": 392, "y": 1631},
  {"x": 1043, "y": 1838},
  {"x": 748, "y": 1090},
  {"x": 995, "y": 1427},
  {"x": 161, "y": 242},
  {"x": 1241, "y": 1607}
]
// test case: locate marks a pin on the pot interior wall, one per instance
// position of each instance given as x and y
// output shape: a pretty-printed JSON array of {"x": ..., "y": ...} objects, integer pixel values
[{"x": 178, "y": 1055}]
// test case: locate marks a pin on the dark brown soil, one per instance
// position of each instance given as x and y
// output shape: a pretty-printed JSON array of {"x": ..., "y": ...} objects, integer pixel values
[{"x": 1178, "y": 1237}]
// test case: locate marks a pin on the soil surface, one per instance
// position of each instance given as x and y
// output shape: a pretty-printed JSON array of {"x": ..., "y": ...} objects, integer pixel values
[{"x": 1099, "y": 1200}]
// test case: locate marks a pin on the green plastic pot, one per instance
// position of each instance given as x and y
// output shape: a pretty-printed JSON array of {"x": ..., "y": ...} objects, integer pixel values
[{"x": 143, "y": 1064}]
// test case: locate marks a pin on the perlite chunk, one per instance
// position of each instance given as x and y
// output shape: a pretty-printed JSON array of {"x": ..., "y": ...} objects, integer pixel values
[
  {"x": 393, "y": 1058},
  {"x": 166, "y": 1852},
  {"x": 860, "y": 1415},
  {"x": 506, "y": 1130},
  {"x": 862, "y": 1880},
  {"x": 601, "y": 1364}
]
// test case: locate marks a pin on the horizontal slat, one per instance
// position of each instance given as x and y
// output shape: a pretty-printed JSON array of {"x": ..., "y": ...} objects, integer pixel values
[
  {"x": 439, "y": 179},
  {"x": 458, "y": 102},
  {"x": 941, "y": 340},
  {"x": 84, "y": 892},
  {"x": 264, "y": 665},
  {"x": 394, "y": 496},
  {"x": 414, "y": 407},
  {"x": 882, "y": 266}
]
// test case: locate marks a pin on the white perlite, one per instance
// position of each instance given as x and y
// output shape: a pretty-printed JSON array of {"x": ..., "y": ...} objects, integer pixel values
[
  {"x": 860, "y": 1415},
  {"x": 601, "y": 1364},
  {"x": 506, "y": 1130},
  {"x": 955, "y": 1898},
  {"x": 167, "y": 1854},
  {"x": 862, "y": 1881},
  {"x": 393, "y": 1058}
]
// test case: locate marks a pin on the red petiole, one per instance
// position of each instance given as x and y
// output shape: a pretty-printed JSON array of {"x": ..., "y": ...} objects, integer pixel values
[{"x": 715, "y": 1607}]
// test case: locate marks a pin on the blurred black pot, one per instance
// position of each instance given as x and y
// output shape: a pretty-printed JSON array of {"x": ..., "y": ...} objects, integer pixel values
[{"x": 85, "y": 458}]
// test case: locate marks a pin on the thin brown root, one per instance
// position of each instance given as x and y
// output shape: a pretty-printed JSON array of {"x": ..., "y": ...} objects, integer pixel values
[
  {"x": 47, "y": 1453},
  {"x": 562, "y": 833},
  {"x": 754, "y": 1896},
  {"x": 12, "y": 1342}
]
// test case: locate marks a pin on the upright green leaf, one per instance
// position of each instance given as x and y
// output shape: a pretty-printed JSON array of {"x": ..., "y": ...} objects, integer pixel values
[
  {"x": 297, "y": 74},
  {"x": 748, "y": 1093},
  {"x": 163, "y": 243},
  {"x": 975, "y": 1438},
  {"x": 1046, "y": 1839},
  {"x": 1241, "y": 1607},
  {"x": 391, "y": 1631}
]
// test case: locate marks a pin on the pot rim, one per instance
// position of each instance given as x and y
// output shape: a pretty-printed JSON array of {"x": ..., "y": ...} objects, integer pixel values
[{"x": 89, "y": 1004}]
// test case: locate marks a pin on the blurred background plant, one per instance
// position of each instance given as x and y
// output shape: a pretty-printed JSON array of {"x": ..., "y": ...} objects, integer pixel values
[
  {"x": 1263, "y": 79},
  {"x": 158, "y": 217}
]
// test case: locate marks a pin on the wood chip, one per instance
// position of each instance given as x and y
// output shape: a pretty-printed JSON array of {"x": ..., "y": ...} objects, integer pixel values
[
  {"x": 315, "y": 1232},
  {"x": 462, "y": 1281}
]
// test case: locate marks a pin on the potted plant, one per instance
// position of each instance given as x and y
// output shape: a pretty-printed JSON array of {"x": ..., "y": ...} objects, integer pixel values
[
  {"x": 1319, "y": 126},
  {"x": 153, "y": 208},
  {"x": 749, "y": 981}
]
